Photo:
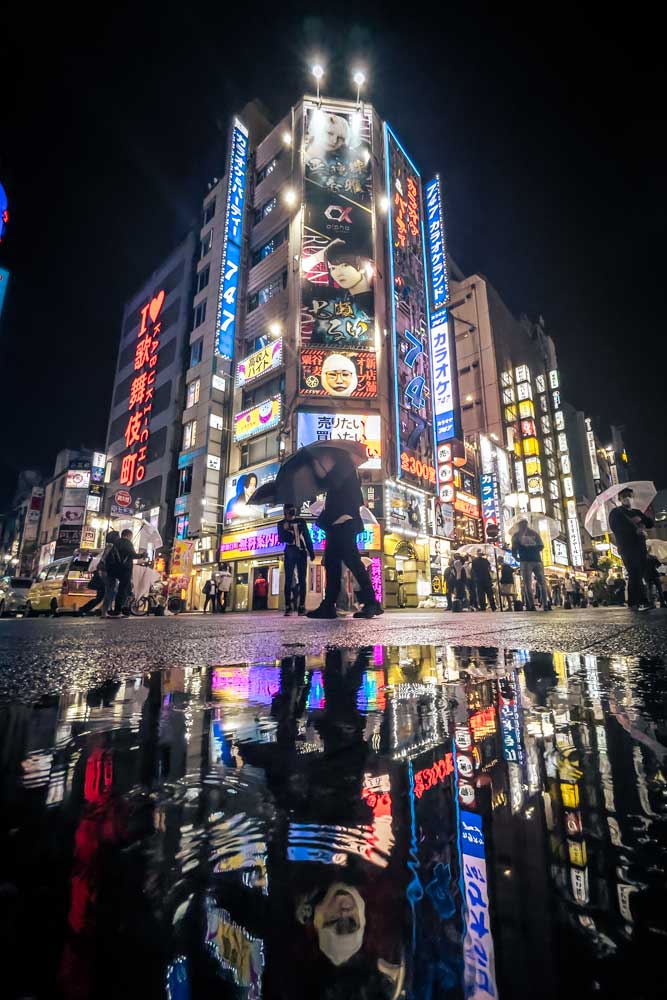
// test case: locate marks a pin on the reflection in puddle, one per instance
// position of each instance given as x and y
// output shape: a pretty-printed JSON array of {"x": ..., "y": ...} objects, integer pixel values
[{"x": 393, "y": 821}]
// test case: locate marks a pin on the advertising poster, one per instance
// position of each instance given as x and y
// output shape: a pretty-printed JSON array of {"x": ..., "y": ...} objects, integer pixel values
[
  {"x": 362, "y": 427},
  {"x": 338, "y": 301},
  {"x": 240, "y": 487},
  {"x": 262, "y": 361},
  {"x": 181, "y": 560},
  {"x": 405, "y": 510},
  {"x": 77, "y": 479},
  {"x": 338, "y": 375},
  {"x": 412, "y": 356},
  {"x": 258, "y": 419}
]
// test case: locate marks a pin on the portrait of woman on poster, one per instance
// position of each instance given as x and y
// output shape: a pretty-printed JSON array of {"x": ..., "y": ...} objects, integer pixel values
[
  {"x": 335, "y": 158},
  {"x": 343, "y": 311}
]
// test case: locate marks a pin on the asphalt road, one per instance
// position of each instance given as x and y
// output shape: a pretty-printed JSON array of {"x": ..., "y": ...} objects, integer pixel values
[{"x": 48, "y": 656}]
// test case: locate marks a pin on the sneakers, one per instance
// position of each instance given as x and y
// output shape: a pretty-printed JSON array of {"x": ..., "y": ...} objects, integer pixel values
[
  {"x": 644, "y": 607},
  {"x": 301, "y": 610},
  {"x": 324, "y": 611}
]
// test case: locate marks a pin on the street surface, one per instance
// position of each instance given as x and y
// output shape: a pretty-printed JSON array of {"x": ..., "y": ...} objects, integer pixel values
[{"x": 425, "y": 805}]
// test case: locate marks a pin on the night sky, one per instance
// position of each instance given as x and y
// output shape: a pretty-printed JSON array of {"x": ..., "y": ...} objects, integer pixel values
[{"x": 545, "y": 133}]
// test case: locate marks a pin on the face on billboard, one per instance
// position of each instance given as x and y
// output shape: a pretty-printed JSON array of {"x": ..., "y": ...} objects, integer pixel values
[
  {"x": 240, "y": 487},
  {"x": 411, "y": 338},
  {"x": 337, "y": 375},
  {"x": 362, "y": 427},
  {"x": 338, "y": 301}
]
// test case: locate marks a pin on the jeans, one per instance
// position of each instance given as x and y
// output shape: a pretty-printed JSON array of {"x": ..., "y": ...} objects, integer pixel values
[
  {"x": 635, "y": 561},
  {"x": 295, "y": 558},
  {"x": 484, "y": 590},
  {"x": 527, "y": 570},
  {"x": 341, "y": 548}
]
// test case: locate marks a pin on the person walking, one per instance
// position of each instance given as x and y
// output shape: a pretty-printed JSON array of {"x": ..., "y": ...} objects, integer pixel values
[
  {"x": 460, "y": 581},
  {"x": 260, "y": 593},
  {"x": 294, "y": 534},
  {"x": 568, "y": 585},
  {"x": 122, "y": 556},
  {"x": 527, "y": 548},
  {"x": 224, "y": 583},
  {"x": 471, "y": 585},
  {"x": 653, "y": 580},
  {"x": 341, "y": 521},
  {"x": 98, "y": 581},
  {"x": 108, "y": 557},
  {"x": 209, "y": 591},
  {"x": 507, "y": 586},
  {"x": 629, "y": 527},
  {"x": 481, "y": 572},
  {"x": 450, "y": 581}
]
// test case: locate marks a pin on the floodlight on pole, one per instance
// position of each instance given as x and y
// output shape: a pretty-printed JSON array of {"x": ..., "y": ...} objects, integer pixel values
[
  {"x": 318, "y": 73},
  {"x": 360, "y": 79}
]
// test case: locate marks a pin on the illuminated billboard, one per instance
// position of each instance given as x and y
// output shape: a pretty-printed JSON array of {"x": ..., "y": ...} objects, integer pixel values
[
  {"x": 264, "y": 360},
  {"x": 362, "y": 427},
  {"x": 410, "y": 334},
  {"x": 231, "y": 248},
  {"x": 442, "y": 345},
  {"x": 338, "y": 374},
  {"x": 241, "y": 486},
  {"x": 338, "y": 270},
  {"x": 258, "y": 419}
]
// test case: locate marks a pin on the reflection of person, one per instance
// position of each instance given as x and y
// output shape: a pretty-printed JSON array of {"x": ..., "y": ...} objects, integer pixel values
[
  {"x": 629, "y": 526},
  {"x": 340, "y": 921},
  {"x": 293, "y": 533},
  {"x": 527, "y": 548},
  {"x": 339, "y": 375},
  {"x": 237, "y": 506}
]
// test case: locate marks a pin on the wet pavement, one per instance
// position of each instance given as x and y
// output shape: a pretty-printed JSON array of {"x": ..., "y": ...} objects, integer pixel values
[{"x": 427, "y": 821}]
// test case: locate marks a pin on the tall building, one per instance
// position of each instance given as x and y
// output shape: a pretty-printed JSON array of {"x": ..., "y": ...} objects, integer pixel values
[{"x": 66, "y": 506}]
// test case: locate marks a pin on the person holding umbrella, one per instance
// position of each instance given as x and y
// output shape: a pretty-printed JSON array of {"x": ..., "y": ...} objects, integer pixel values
[{"x": 629, "y": 526}]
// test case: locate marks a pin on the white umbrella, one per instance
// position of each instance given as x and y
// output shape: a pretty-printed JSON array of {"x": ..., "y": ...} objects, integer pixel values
[
  {"x": 658, "y": 547},
  {"x": 143, "y": 533},
  {"x": 597, "y": 523},
  {"x": 538, "y": 522},
  {"x": 472, "y": 548}
]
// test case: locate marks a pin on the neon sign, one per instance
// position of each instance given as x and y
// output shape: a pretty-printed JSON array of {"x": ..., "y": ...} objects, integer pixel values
[
  {"x": 478, "y": 950},
  {"x": 4, "y": 211},
  {"x": 441, "y": 344},
  {"x": 258, "y": 419},
  {"x": 4, "y": 281},
  {"x": 142, "y": 387},
  {"x": 259, "y": 363},
  {"x": 429, "y": 777},
  {"x": 230, "y": 263}
]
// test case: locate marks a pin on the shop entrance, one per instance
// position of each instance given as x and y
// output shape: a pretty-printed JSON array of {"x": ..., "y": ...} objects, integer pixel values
[{"x": 264, "y": 592}]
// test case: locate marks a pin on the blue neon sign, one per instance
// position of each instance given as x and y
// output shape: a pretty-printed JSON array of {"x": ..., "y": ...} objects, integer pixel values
[
  {"x": 441, "y": 348},
  {"x": 4, "y": 281},
  {"x": 230, "y": 265},
  {"x": 436, "y": 244}
]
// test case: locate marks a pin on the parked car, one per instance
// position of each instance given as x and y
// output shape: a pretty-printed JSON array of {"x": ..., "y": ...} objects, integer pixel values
[
  {"x": 61, "y": 586},
  {"x": 13, "y": 594}
]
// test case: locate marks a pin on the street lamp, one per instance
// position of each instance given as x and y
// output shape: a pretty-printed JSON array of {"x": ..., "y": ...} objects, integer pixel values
[
  {"x": 360, "y": 79},
  {"x": 275, "y": 328},
  {"x": 318, "y": 73},
  {"x": 287, "y": 138},
  {"x": 290, "y": 196}
]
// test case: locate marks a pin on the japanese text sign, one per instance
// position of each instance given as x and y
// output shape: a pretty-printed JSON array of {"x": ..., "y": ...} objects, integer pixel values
[
  {"x": 262, "y": 361},
  {"x": 142, "y": 388},
  {"x": 231, "y": 248},
  {"x": 478, "y": 952},
  {"x": 362, "y": 427},
  {"x": 338, "y": 374}
]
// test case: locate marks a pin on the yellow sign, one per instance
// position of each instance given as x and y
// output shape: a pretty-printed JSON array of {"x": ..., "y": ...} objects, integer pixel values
[
  {"x": 257, "y": 419},
  {"x": 256, "y": 364},
  {"x": 570, "y": 795}
]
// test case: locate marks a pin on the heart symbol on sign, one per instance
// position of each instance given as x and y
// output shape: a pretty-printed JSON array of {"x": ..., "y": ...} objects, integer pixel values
[{"x": 156, "y": 305}]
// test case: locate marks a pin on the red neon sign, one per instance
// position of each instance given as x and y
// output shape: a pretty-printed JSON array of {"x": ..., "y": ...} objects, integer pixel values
[
  {"x": 415, "y": 466},
  {"x": 432, "y": 776},
  {"x": 483, "y": 723},
  {"x": 137, "y": 432}
]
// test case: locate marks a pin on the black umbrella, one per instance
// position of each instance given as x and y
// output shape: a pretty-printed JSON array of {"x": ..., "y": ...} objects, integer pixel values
[{"x": 310, "y": 471}]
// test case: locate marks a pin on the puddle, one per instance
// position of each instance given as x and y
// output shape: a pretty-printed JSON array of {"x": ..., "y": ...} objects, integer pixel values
[{"x": 418, "y": 821}]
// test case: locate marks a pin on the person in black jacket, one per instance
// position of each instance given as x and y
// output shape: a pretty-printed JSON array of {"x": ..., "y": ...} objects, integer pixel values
[
  {"x": 121, "y": 568},
  {"x": 341, "y": 521},
  {"x": 629, "y": 526},
  {"x": 527, "y": 548},
  {"x": 481, "y": 571},
  {"x": 294, "y": 534}
]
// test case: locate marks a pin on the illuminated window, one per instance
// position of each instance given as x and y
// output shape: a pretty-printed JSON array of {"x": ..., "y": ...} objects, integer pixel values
[
  {"x": 196, "y": 350},
  {"x": 189, "y": 434},
  {"x": 209, "y": 212},
  {"x": 554, "y": 381},
  {"x": 559, "y": 420},
  {"x": 545, "y": 423},
  {"x": 270, "y": 246},
  {"x": 215, "y": 422},
  {"x": 526, "y": 408},
  {"x": 528, "y": 428},
  {"x": 556, "y": 399},
  {"x": 554, "y": 489},
  {"x": 565, "y": 466},
  {"x": 551, "y": 467},
  {"x": 506, "y": 378},
  {"x": 277, "y": 283},
  {"x": 267, "y": 169},
  {"x": 548, "y": 445},
  {"x": 185, "y": 481},
  {"x": 265, "y": 209},
  {"x": 540, "y": 383},
  {"x": 205, "y": 243},
  {"x": 522, "y": 373},
  {"x": 533, "y": 467},
  {"x": 519, "y": 476},
  {"x": 562, "y": 442},
  {"x": 537, "y": 505},
  {"x": 508, "y": 395},
  {"x": 510, "y": 414},
  {"x": 531, "y": 446},
  {"x": 193, "y": 393},
  {"x": 535, "y": 485},
  {"x": 524, "y": 390},
  {"x": 568, "y": 486},
  {"x": 544, "y": 404}
]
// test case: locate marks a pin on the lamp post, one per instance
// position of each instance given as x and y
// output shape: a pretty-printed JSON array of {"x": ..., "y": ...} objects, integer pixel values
[
  {"x": 360, "y": 79},
  {"x": 318, "y": 73}
]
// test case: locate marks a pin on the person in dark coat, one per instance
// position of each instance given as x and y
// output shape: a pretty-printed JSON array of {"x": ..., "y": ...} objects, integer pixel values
[
  {"x": 341, "y": 521},
  {"x": 629, "y": 526},
  {"x": 481, "y": 572},
  {"x": 654, "y": 580},
  {"x": 121, "y": 568},
  {"x": 294, "y": 534},
  {"x": 527, "y": 548}
]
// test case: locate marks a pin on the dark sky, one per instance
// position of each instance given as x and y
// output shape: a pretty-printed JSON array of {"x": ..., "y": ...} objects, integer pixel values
[{"x": 545, "y": 132}]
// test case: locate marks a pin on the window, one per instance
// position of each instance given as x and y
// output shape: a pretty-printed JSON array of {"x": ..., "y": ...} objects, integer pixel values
[
  {"x": 182, "y": 525},
  {"x": 274, "y": 286},
  {"x": 205, "y": 244},
  {"x": 464, "y": 371},
  {"x": 215, "y": 422},
  {"x": 202, "y": 278},
  {"x": 193, "y": 393},
  {"x": 199, "y": 315},
  {"x": 267, "y": 169},
  {"x": 265, "y": 447},
  {"x": 189, "y": 434},
  {"x": 265, "y": 209},
  {"x": 185, "y": 481},
  {"x": 196, "y": 352},
  {"x": 209, "y": 212},
  {"x": 269, "y": 246}
]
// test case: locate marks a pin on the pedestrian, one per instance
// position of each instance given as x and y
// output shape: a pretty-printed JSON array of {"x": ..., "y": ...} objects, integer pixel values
[
  {"x": 556, "y": 597},
  {"x": 507, "y": 586},
  {"x": 568, "y": 585},
  {"x": 471, "y": 585},
  {"x": 119, "y": 565},
  {"x": 224, "y": 587},
  {"x": 527, "y": 548},
  {"x": 97, "y": 583},
  {"x": 108, "y": 557},
  {"x": 577, "y": 593},
  {"x": 629, "y": 526},
  {"x": 460, "y": 581},
  {"x": 653, "y": 580},
  {"x": 341, "y": 521},
  {"x": 209, "y": 591},
  {"x": 294, "y": 534},
  {"x": 400, "y": 592},
  {"x": 450, "y": 581},
  {"x": 260, "y": 593},
  {"x": 481, "y": 571},
  {"x": 663, "y": 586}
]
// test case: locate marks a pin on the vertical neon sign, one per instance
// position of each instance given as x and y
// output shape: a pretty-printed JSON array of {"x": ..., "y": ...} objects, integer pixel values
[
  {"x": 230, "y": 265},
  {"x": 441, "y": 344}
]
